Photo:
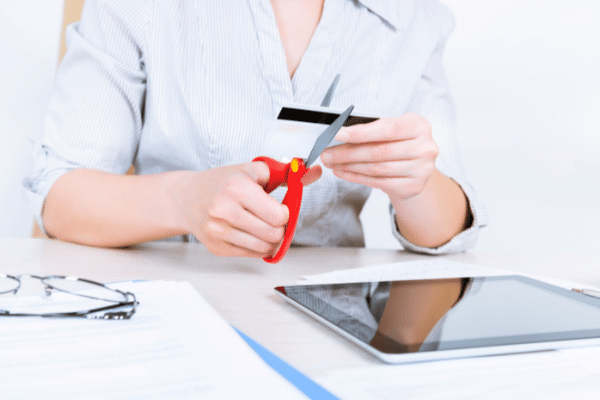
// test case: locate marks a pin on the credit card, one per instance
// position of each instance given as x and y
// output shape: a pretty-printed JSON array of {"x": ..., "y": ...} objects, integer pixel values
[{"x": 297, "y": 127}]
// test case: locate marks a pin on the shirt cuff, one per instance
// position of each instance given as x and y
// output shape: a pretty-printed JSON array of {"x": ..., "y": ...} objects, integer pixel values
[
  {"x": 459, "y": 243},
  {"x": 47, "y": 169}
]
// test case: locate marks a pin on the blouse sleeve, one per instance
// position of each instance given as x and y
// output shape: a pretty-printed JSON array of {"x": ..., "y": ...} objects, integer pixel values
[
  {"x": 95, "y": 113},
  {"x": 431, "y": 99}
]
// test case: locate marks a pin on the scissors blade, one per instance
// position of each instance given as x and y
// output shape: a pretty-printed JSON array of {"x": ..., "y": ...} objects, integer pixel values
[
  {"x": 329, "y": 95},
  {"x": 327, "y": 136}
]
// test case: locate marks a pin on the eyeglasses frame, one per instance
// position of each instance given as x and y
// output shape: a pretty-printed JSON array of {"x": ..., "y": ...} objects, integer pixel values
[{"x": 130, "y": 301}]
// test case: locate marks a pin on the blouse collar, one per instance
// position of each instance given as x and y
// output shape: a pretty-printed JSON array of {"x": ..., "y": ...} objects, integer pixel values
[{"x": 395, "y": 13}]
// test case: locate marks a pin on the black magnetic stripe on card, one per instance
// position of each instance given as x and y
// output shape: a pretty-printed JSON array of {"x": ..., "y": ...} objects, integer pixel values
[{"x": 319, "y": 117}]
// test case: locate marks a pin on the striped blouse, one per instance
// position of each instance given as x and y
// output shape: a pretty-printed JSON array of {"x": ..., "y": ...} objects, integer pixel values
[{"x": 192, "y": 85}]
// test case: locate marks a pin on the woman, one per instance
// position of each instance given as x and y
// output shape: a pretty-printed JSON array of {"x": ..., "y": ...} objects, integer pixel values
[{"x": 187, "y": 91}]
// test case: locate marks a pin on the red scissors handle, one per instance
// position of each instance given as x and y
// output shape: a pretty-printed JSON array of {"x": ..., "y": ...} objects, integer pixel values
[{"x": 291, "y": 174}]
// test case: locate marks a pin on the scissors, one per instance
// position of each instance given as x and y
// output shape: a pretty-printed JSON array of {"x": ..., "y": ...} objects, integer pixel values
[{"x": 292, "y": 173}]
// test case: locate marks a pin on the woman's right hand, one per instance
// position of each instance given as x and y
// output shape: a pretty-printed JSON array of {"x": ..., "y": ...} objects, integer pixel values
[{"x": 228, "y": 211}]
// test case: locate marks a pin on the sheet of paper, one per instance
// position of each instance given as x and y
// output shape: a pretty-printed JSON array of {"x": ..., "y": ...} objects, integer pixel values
[
  {"x": 408, "y": 270},
  {"x": 563, "y": 374},
  {"x": 175, "y": 347},
  {"x": 438, "y": 268}
]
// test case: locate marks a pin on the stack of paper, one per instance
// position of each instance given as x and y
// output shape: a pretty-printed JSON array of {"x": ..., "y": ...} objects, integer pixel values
[
  {"x": 175, "y": 347},
  {"x": 561, "y": 374}
]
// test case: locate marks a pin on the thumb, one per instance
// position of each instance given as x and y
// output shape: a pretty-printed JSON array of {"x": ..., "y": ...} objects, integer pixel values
[
  {"x": 258, "y": 171},
  {"x": 312, "y": 175}
]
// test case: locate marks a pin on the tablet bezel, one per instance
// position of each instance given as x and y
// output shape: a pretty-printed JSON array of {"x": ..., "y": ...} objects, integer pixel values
[{"x": 401, "y": 358}]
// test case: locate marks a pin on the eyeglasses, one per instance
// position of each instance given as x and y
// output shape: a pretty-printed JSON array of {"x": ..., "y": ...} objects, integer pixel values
[{"x": 92, "y": 297}]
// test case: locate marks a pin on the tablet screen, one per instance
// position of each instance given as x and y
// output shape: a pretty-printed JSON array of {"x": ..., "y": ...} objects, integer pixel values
[{"x": 445, "y": 314}]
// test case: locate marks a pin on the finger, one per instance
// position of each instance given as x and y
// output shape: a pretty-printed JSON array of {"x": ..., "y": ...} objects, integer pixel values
[
  {"x": 233, "y": 214},
  {"x": 253, "y": 198},
  {"x": 399, "y": 169},
  {"x": 381, "y": 130},
  {"x": 247, "y": 222},
  {"x": 231, "y": 250},
  {"x": 221, "y": 231},
  {"x": 265, "y": 207},
  {"x": 224, "y": 249},
  {"x": 398, "y": 184},
  {"x": 374, "y": 182},
  {"x": 312, "y": 175},
  {"x": 371, "y": 152}
]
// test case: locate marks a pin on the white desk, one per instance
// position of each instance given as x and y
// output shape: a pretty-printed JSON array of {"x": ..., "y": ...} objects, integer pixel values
[{"x": 241, "y": 290}]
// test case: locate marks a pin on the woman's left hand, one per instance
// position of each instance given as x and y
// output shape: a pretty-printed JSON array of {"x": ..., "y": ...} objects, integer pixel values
[{"x": 396, "y": 155}]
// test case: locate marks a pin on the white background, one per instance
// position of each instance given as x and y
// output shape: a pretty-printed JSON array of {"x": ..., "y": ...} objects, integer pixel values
[
  {"x": 526, "y": 81},
  {"x": 29, "y": 43}
]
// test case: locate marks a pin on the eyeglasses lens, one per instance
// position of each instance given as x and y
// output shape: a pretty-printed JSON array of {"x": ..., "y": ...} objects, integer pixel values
[
  {"x": 7, "y": 284},
  {"x": 83, "y": 288}
]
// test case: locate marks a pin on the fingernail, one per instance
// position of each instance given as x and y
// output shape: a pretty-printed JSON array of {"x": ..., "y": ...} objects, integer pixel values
[
  {"x": 326, "y": 158},
  {"x": 287, "y": 213},
  {"x": 342, "y": 136}
]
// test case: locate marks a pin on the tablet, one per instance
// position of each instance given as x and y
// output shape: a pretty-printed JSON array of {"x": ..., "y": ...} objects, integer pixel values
[{"x": 423, "y": 320}]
